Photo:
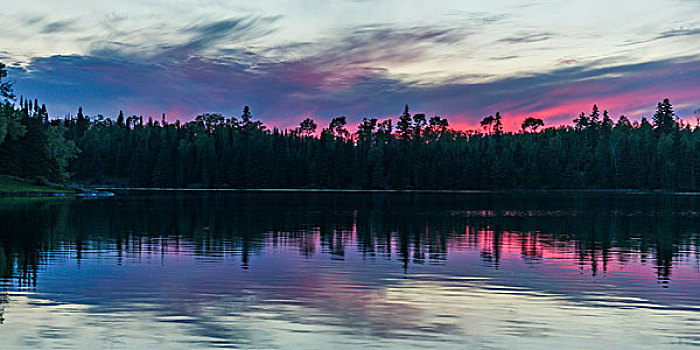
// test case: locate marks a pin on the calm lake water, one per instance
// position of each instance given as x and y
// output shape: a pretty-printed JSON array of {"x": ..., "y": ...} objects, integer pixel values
[{"x": 374, "y": 271}]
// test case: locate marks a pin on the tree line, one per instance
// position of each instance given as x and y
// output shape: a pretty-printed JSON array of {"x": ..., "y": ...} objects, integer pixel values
[{"x": 415, "y": 152}]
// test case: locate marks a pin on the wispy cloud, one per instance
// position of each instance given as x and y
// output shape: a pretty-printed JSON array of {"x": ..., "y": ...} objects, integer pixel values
[
  {"x": 205, "y": 35},
  {"x": 667, "y": 34},
  {"x": 505, "y": 58},
  {"x": 568, "y": 61},
  {"x": 57, "y": 26},
  {"x": 525, "y": 37},
  {"x": 338, "y": 80},
  {"x": 458, "y": 63},
  {"x": 678, "y": 32}
]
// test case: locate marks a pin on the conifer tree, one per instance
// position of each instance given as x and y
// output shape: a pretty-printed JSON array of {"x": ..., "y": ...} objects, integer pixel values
[
  {"x": 404, "y": 125},
  {"x": 664, "y": 118}
]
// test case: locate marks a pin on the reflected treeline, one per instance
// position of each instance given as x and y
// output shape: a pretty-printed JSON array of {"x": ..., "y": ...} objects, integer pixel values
[{"x": 411, "y": 228}]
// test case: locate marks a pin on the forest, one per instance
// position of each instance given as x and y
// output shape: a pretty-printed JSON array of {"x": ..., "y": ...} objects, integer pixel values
[{"x": 413, "y": 152}]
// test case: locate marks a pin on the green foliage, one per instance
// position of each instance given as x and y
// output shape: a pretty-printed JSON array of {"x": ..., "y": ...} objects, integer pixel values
[
  {"x": 40, "y": 151},
  {"x": 30, "y": 145},
  {"x": 10, "y": 125},
  {"x": 59, "y": 151},
  {"x": 5, "y": 87}
]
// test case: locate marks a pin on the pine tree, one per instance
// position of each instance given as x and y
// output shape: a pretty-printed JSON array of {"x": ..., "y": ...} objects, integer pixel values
[
  {"x": 404, "y": 127},
  {"x": 664, "y": 118},
  {"x": 497, "y": 124}
]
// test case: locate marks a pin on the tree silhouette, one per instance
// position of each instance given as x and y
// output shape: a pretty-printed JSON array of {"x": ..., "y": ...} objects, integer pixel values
[
  {"x": 486, "y": 123},
  {"x": 497, "y": 124},
  {"x": 383, "y": 134},
  {"x": 415, "y": 153},
  {"x": 404, "y": 125},
  {"x": 437, "y": 127},
  {"x": 664, "y": 118},
  {"x": 532, "y": 123},
  {"x": 420, "y": 121},
  {"x": 307, "y": 127},
  {"x": 581, "y": 122},
  {"x": 593, "y": 118},
  {"x": 337, "y": 127},
  {"x": 365, "y": 130}
]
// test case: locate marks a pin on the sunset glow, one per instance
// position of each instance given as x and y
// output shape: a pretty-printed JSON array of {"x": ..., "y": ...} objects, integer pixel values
[{"x": 461, "y": 60}]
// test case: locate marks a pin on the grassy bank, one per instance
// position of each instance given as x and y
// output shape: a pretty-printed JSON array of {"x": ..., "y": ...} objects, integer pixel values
[{"x": 13, "y": 186}]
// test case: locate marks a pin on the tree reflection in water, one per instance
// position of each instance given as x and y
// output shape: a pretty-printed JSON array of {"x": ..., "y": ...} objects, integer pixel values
[{"x": 410, "y": 228}]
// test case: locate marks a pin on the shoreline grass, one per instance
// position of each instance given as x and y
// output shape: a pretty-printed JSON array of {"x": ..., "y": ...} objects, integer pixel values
[{"x": 14, "y": 186}]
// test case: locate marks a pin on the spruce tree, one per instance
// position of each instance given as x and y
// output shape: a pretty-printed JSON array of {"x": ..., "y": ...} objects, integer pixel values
[
  {"x": 664, "y": 118},
  {"x": 404, "y": 127}
]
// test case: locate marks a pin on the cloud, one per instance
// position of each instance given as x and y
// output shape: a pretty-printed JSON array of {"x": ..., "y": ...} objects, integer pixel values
[
  {"x": 525, "y": 37},
  {"x": 678, "y": 32},
  {"x": 377, "y": 44},
  {"x": 183, "y": 89},
  {"x": 31, "y": 20},
  {"x": 668, "y": 34},
  {"x": 505, "y": 58},
  {"x": 205, "y": 35},
  {"x": 567, "y": 61},
  {"x": 42, "y": 24},
  {"x": 213, "y": 67},
  {"x": 479, "y": 19},
  {"x": 181, "y": 81},
  {"x": 58, "y": 26},
  {"x": 362, "y": 54}
]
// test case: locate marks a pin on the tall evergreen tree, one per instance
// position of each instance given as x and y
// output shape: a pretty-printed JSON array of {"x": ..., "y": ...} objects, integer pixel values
[
  {"x": 664, "y": 118},
  {"x": 404, "y": 127},
  {"x": 497, "y": 124}
]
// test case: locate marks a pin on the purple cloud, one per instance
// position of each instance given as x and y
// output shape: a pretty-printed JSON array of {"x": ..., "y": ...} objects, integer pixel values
[{"x": 344, "y": 76}]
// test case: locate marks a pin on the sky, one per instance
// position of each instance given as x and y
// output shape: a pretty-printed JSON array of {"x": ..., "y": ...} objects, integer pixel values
[{"x": 292, "y": 59}]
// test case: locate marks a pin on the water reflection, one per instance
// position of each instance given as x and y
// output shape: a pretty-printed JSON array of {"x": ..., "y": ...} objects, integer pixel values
[
  {"x": 413, "y": 229},
  {"x": 384, "y": 269}
]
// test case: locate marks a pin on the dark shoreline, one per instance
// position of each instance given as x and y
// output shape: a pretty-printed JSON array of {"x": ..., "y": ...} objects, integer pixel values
[
  {"x": 30, "y": 194},
  {"x": 87, "y": 193},
  {"x": 100, "y": 191},
  {"x": 13, "y": 186},
  {"x": 314, "y": 190}
]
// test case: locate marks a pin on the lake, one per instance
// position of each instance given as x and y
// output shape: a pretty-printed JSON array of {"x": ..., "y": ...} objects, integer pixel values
[{"x": 350, "y": 270}]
